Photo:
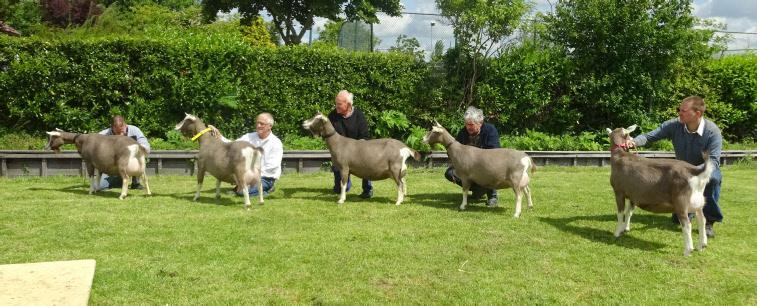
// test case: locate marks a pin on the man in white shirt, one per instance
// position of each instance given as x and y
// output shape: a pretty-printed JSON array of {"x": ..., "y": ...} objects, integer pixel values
[{"x": 273, "y": 152}]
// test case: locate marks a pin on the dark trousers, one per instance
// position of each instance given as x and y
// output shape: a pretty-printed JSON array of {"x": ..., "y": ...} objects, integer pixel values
[
  {"x": 476, "y": 189},
  {"x": 711, "y": 207},
  {"x": 116, "y": 182},
  {"x": 367, "y": 186}
]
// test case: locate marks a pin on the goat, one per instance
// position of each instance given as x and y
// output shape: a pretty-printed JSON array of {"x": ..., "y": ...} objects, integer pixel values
[
  {"x": 374, "y": 159},
  {"x": 235, "y": 162},
  {"x": 659, "y": 186},
  {"x": 113, "y": 155},
  {"x": 491, "y": 168}
]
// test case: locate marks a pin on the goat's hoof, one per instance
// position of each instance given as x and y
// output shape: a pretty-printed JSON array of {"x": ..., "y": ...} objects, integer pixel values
[
  {"x": 121, "y": 197},
  {"x": 516, "y": 216},
  {"x": 686, "y": 253}
]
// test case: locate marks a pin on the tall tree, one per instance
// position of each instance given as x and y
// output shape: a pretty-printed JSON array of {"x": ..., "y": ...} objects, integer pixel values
[
  {"x": 409, "y": 45},
  {"x": 294, "y": 18},
  {"x": 625, "y": 53},
  {"x": 480, "y": 26}
]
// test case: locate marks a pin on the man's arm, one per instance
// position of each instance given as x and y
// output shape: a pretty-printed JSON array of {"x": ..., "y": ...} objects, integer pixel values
[
  {"x": 362, "y": 126},
  {"x": 137, "y": 134},
  {"x": 715, "y": 146}
]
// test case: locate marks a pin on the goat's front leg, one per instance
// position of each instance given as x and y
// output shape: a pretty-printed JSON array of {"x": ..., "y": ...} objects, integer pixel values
[
  {"x": 200, "y": 178},
  {"x": 466, "y": 187},
  {"x": 93, "y": 185},
  {"x": 218, "y": 189},
  {"x": 620, "y": 201},
  {"x": 125, "y": 187},
  {"x": 343, "y": 184},
  {"x": 628, "y": 213},
  {"x": 702, "y": 232}
]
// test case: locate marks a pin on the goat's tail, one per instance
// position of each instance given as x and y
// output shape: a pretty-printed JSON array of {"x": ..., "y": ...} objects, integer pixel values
[{"x": 705, "y": 171}]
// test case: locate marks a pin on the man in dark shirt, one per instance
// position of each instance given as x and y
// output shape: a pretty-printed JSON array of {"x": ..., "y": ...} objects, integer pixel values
[
  {"x": 482, "y": 135},
  {"x": 349, "y": 122}
]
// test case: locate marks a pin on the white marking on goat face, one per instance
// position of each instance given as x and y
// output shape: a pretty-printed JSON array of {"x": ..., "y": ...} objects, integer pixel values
[
  {"x": 181, "y": 123},
  {"x": 307, "y": 124},
  {"x": 54, "y": 134}
]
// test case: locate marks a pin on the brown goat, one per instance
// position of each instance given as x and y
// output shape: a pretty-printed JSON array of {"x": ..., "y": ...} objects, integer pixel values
[
  {"x": 374, "y": 159},
  {"x": 113, "y": 155},
  {"x": 659, "y": 186},
  {"x": 491, "y": 168},
  {"x": 235, "y": 162}
]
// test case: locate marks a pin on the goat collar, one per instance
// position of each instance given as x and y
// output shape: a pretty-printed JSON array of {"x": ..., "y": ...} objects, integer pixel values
[
  {"x": 200, "y": 133},
  {"x": 76, "y": 136},
  {"x": 614, "y": 147}
]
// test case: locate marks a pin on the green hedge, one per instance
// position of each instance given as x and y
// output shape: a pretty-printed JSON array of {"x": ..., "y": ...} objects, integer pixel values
[{"x": 78, "y": 85}]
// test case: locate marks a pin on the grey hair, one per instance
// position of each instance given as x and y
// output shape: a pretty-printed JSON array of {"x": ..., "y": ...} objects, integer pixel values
[
  {"x": 348, "y": 94},
  {"x": 268, "y": 116},
  {"x": 474, "y": 114}
]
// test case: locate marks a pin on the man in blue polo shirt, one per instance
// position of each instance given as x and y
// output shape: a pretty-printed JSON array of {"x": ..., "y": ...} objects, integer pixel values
[
  {"x": 691, "y": 135},
  {"x": 482, "y": 135},
  {"x": 119, "y": 127}
]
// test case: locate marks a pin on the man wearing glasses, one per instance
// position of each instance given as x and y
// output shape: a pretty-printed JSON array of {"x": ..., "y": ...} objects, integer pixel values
[{"x": 691, "y": 135}]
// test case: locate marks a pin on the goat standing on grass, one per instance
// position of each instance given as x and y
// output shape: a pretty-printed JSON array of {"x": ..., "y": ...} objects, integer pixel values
[
  {"x": 490, "y": 168},
  {"x": 235, "y": 162},
  {"x": 113, "y": 155},
  {"x": 658, "y": 186},
  {"x": 374, "y": 159}
]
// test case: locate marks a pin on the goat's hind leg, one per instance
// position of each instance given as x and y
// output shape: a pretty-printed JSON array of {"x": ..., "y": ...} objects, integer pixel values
[
  {"x": 620, "y": 201},
  {"x": 528, "y": 197},
  {"x": 688, "y": 244},
  {"x": 702, "y": 231},
  {"x": 125, "y": 185},
  {"x": 147, "y": 184},
  {"x": 518, "y": 200}
]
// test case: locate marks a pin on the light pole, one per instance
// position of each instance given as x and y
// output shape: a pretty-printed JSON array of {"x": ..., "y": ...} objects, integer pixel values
[{"x": 431, "y": 54}]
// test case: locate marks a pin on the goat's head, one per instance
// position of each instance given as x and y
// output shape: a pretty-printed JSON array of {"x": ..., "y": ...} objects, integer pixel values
[
  {"x": 316, "y": 125},
  {"x": 437, "y": 134},
  {"x": 620, "y": 137},
  {"x": 190, "y": 125},
  {"x": 56, "y": 140}
]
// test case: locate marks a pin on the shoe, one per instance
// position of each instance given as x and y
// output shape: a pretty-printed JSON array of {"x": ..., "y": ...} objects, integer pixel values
[
  {"x": 491, "y": 202},
  {"x": 708, "y": 229},
  {"x": 136, "y": 186},
  {"x": 367, "y": 194}
]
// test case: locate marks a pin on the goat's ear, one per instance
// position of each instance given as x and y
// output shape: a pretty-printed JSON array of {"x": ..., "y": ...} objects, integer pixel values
[
  {"x": 436, "y": 124},
  {"x": 609, "y": 131},
  {"x": 630, "y": 129},
  {"x": 59, "y": 130}
]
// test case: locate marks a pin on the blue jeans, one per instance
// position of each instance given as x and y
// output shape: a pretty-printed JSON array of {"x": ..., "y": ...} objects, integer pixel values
[
  {"x": 711, "y": 208},
  {"x": 268, "y": 187},
  {"x": 452, "y": 177},
  {"x": 367, "y": 186},
  {"x": 107, "y": 182}
]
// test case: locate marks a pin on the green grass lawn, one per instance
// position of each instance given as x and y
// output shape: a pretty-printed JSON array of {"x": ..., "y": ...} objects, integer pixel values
[{"x": 302, "y": 248}]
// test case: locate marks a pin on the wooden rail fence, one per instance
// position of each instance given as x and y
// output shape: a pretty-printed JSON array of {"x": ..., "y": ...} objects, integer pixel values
[{"x": 15, "y": 163}]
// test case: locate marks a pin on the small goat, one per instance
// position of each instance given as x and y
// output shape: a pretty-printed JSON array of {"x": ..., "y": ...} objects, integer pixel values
[
  {"x": 235, "y": 162},
  {"x": 490, "y": 168},
  {"x": 374, "y": 159},
  {"x": 659, "y": 186},
  {"x": 113, "y": 155}
]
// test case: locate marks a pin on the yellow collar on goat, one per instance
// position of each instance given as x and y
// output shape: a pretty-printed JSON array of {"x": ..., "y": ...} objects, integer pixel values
[{"x": 200, "y": 133}]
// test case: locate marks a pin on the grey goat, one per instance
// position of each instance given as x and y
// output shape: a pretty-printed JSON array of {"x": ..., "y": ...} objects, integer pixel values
[
  {"x": 660, "y": 186},
  {"x": 113, "y": 155},
  {"x": 374, "y": 159},
  {"x": 490, "y": 168},
  {"x": 235, "y": 162}
]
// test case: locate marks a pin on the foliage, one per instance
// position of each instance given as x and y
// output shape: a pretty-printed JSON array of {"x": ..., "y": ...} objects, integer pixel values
[
  {"x": 409, "y": 45},
  {"x": 257, "y": 34},
  {"x": 391, "y": 122},
  {"x": 623, "y": 55},
  {"x": 48, "y": 84},
  {"x": 734, "y": 81},
  {"x": 297, "y": 142},
  {"x": 65, "y": 13},
  {"x": 479, "y": 27},
  {"x": 288, "y": 15},
  {"x": 24, "y": 15},
  {"x": 538, "y": 141}
]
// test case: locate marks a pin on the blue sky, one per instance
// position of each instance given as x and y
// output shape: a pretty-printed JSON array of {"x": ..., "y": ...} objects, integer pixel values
[{"x": 737, "y": 15}]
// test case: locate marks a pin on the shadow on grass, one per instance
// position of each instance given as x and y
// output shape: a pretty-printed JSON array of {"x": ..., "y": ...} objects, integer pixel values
[
  {"x": 638, "y": 223},
  {"x": 328, "y": 195},
  {"x": 452, "y": 201}
]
